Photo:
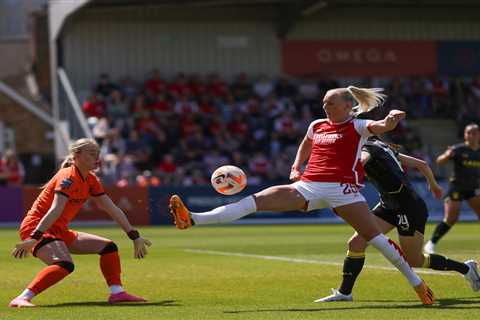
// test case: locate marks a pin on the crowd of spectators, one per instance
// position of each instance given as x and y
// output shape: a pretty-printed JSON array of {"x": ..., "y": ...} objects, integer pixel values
[{"x": 177, "y": 131}]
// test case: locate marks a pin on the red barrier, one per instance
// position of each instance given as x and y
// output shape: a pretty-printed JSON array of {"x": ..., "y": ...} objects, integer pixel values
[
  {"x": 132, "y": 200},
  {"x": 359, "y": 58}
]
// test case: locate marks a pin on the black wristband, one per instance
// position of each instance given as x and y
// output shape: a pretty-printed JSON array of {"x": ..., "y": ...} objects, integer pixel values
[
  {"x": 37, "y": 234},
  {"x": 133, "y": 234}
]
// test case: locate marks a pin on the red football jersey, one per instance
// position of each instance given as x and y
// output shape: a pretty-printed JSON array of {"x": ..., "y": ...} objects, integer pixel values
[{"x": 336, "y": 149}]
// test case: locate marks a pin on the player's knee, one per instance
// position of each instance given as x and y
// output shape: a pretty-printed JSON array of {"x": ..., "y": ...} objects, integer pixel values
[
  {"x": 67, "y": 265},
  {"x": 357, "y": 244},
  {"x": 109, "y": 248}
]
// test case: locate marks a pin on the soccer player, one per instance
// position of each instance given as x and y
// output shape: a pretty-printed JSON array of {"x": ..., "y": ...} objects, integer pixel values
[
  {"x": 464, "y": 183},
  {"x": 44, "y": 231},
  {"x": 332, "y": 177},
  {"x": 400, "y": 206}
]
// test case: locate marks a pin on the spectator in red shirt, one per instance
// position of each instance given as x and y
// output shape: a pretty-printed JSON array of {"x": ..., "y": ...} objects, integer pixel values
[
  {"x": 217, "y": 87},
  {"x": 179, "y": 88},
  {"x": 239, "y": 126},
  {"x": 188, "y": 125},
  {"x": 184, "y": 105},
  {"x": 94, "y": 107},
  {"x": 167, "y": 168},
  {"x": 15, "y": 172},
  {"x": 161, "y": 105},
  {"x": 206, "y": 106},
  {"x": 197, "y": 86},
  {"x": 155, "y": 83}
]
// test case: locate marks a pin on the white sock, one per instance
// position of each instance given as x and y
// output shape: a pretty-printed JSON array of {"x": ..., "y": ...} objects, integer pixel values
[
  {"x": 116, "y": 289},
  {"x": 391, "y": 251},
  {"x": 226, "y": 213},
  {"x": 27, "y": 294}
]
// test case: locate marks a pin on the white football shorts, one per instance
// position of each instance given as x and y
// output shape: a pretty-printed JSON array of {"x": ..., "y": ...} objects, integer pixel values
[{"x": 328, "y": 194}]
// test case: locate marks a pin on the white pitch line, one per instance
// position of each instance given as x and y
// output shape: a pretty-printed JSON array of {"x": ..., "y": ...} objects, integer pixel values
[{"x": 306, "y": 261}]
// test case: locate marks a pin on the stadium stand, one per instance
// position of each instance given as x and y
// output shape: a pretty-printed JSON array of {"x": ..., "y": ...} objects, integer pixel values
[{"x": 172, "y": 128}]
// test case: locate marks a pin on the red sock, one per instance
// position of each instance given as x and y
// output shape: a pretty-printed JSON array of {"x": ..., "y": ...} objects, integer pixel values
[
  {"x": 47, "y": 278},
  {"x": 110, "y": 265}
]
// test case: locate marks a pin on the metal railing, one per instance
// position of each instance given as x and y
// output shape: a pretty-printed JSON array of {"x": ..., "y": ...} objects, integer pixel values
[{"x": 74, "y": 103}]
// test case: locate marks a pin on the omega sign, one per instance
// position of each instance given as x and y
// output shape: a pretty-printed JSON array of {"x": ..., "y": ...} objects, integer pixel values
[
  {"x": 359, "y": 58},
  {"x": 370, "y": 55}
]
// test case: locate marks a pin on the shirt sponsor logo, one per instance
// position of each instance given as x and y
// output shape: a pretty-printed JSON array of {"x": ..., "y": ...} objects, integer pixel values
[
  {"x": 471, "y": 163},
  {"x": 326, "y": 138},
  {"x": 66, "y": 183}
]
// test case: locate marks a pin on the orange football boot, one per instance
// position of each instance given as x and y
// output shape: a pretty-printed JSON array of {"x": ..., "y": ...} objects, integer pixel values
[
  {"x": 180, "y": 213},
  {"x": 425, "y": 294}
]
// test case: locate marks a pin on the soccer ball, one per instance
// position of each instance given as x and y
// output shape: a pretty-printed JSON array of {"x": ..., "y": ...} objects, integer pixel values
[{"x": 228, "y": 180}]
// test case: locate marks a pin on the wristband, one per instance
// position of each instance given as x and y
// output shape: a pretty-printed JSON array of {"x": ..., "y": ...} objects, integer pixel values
[
  {"x": 37, "y": 234},
  {"x": 133, "y": 234}
]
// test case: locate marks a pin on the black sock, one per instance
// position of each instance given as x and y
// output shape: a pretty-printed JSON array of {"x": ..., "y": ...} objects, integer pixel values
[
  {"x": 440, "y": 230},
  {"x": 352, "y": 266},
  {"x": 439, "y": 262}
]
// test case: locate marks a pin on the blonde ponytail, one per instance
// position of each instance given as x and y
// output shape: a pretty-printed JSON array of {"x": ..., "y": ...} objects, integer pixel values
[
  {"x": 68, "y": 162},
  {"x": 74, "y": 148},
  {"x": 366, "y": 98}
]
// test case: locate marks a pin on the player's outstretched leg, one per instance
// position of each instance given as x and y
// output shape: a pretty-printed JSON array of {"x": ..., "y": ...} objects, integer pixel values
[
  {"x": 184, "y": 218},
  {"x": 180, "y": 214}
]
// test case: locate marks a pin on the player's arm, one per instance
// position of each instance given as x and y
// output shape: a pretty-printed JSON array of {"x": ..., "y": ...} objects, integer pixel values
[
  {"x": 425, "y": 169},
  {"x": 23, "y": 248},
  {"x": 388, "y": 123},
  {"x": 365, "y": 156},
  {"x": 303, "y": 153},
  {"x": 444, "y": 157},
  {"x": 140, "y": 245}
]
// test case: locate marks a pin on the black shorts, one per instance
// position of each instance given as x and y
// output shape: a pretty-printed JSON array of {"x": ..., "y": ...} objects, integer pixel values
[
  {"x": 456, "y": 193},
  {"x": 412, "y": 217}
]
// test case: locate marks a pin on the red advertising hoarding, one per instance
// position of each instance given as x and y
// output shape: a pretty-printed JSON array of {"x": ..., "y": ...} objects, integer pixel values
[
  {"x": 359, "y": 58},
  {"x": 132, "y": 200}
]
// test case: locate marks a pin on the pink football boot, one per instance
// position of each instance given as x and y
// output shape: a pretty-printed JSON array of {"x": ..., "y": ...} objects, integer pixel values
[
  {"x": 20, "y": 303},
  {"x": 124, "y": 297}
]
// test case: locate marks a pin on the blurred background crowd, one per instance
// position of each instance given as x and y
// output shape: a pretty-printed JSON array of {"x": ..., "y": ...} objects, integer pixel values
[{"x": 177, "y": 131}]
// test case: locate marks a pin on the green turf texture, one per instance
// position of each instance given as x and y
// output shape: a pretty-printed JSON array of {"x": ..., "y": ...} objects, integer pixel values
[{"x": 185, "y": 285}]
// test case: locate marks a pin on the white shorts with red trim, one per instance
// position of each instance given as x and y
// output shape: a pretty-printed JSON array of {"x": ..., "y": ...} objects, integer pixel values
[{"x": 321, "y": 195}]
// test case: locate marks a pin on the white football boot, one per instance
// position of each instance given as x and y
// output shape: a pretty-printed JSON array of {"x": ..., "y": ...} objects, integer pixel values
[
  {"x": 472, "y": 275},
  {"x": 336, "y": 296},
  {"x": 429, "y": 247}
]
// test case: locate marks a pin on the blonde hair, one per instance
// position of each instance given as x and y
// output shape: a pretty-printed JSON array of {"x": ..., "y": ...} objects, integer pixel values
[
  {"x": 366, "y": 98},
  {"x": 76, "y": 147}
]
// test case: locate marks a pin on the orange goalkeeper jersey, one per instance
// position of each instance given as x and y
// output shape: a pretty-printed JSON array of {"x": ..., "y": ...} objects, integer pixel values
[{"x": 70, "y": 183}]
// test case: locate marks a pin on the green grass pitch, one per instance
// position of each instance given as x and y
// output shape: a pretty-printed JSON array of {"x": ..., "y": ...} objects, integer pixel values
[{"x": 242, "y": 272}]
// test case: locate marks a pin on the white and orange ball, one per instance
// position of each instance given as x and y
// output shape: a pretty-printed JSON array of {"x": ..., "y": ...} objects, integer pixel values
[{"x": 228, "y": 180}]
